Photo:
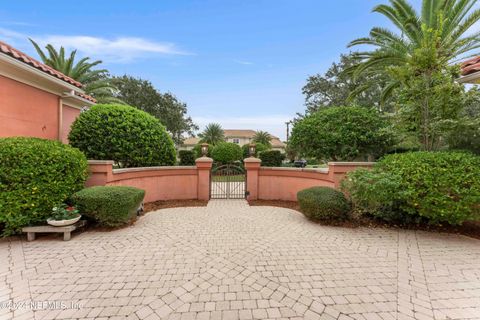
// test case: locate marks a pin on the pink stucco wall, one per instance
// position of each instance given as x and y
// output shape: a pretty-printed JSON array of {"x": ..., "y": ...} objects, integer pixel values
[
  {"x": 159, "y": 183},
  {"x": 27, "y": 111},
  {"x": 69, "y": 114}
]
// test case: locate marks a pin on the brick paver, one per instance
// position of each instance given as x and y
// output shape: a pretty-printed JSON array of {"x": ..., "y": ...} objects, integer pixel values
[{"x": 232, "y": 261}]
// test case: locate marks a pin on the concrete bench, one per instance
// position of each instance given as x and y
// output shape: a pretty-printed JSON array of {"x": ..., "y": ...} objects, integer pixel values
[{"x": 67, "y": 230}]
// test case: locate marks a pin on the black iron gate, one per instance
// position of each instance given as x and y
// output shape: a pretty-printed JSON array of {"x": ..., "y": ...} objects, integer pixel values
[{"x": 228, "y": 182}]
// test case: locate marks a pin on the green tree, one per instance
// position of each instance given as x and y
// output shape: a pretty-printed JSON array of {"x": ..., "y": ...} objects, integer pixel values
[
  {"x": 336, "y": 87},
  {"x": 263, "y": 137},
  {"x": 171, "y": 112},
  {"x": 213, "y": 134},
  {"x": 227, "y": 152},
  {"x": 96, "y": 82},
  {"x": 341, "y": 133},
  {"x": 449, "y": 20}
]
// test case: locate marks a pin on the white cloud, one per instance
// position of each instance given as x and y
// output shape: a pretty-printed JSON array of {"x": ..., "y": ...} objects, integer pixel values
[
  {"x": 275, "y": 124},
  {"x": 246, "y": 63},
  {"x": 120, "y": 49}
]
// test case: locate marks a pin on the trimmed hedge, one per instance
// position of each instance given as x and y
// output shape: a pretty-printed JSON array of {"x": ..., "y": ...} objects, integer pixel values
[
  {"x": 187, "y": 157},
  {"x": 110, "y": 206},
  {"x": 35, "y": 176},
  {"x": 437, "y": 187},
  {"x": 226, "y": 152},
  {"x": 323, "y": 203},
  {"x": 271, "y": 158},
  {"x": 260, "y": 147},
  {"x": 124, "y": 134}
]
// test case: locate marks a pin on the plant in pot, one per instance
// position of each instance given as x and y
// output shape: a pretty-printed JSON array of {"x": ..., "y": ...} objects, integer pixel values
[{"x": 63, "y": 215}]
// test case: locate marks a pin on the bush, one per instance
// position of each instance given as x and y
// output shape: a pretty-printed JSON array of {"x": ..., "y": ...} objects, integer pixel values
[
  {"x": 437, "y": 187},
  {"x": 197, "y": 149},
  {"x": 341, "y": 133},
  {"x": 35, "y": 176},
  {"x": 259, "y": 147},
  {"x": 126, "y": 135},
  {"x": 187, "y": 157},
  {"x": 110, "y": 206},
  {"x": 271, "y": 158},
  {"x": 323, "y": 203},
  {"x": 226, "y": 152}
]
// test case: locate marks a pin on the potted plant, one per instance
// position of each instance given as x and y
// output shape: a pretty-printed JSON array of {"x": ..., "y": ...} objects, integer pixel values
[{"x": 63, "y": 215}]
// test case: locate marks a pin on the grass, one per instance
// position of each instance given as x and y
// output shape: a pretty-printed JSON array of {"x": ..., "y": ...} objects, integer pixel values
[{"x": 234, "y": 178}]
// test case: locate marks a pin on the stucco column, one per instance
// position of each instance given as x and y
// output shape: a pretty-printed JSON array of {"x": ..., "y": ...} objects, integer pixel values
[
  {"x": 252, "y": 165},
  {"x": 100, "y": 172},
  {"x": 204, "y": 165}
]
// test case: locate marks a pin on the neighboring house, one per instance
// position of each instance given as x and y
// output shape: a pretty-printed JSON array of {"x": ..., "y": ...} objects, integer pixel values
[
  {"x": 470, "y": 71},
  {"x": 240, "y": 137},
  {"x": 35, "y": 99}
]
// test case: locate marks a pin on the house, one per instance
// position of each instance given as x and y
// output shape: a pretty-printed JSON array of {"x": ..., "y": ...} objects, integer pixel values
[
  {"x": 240, "y": 137},
  {"x": 35, "y": 99},
  {"x": 470, "y": 70}
]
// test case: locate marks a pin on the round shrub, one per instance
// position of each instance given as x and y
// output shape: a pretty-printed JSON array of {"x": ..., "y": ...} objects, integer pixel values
[
  {"x": 187, "y": 157},
  {"x": 226, "y": 152},
  {"x": 323, "y": 203},
  {"x": 259, "y": 147},
  {"x": 110, "y": 206},
  {"x": 35, "y": 176},
  {"x": 435, "y": 186},
  {"x": 126, "y": 135},
  {"x": 271, "y": 158}
]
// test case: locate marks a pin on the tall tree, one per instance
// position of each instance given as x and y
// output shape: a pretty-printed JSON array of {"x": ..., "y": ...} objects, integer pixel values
[
  {"x": 336, "y": 87},
  {"x": 441, "y": 24},
  {"x": 212, "y": 134},
  {"x": 96, "y": 82},
  {"x": 263, "y": 137},
  {"x": 164, "y": 106}
]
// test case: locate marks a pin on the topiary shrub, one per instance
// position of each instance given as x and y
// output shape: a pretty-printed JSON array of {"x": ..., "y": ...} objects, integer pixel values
[
  {"x": 323, "y": 203},
  {"x": 437, "y": 187},
  {"x": 271, "y": 158},
  {"x": 35, "y": 176},
  {"x": 126, "y": 135},
  {"x": 259, "y": 147},
  {"x": 197, "y": 149},
  {"x": 187, "y": 157},
  {"x": 226, "y": 152},
  {"x": 110, "y": 206}
]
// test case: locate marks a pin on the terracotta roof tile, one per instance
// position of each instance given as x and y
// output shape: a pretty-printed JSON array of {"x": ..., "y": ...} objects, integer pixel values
[
  {"x": 11, "y": 51},
  {"x": 470, "y": 66}
]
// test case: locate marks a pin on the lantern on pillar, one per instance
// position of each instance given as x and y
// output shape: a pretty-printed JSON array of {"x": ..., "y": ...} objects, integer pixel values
[
  {"x": 204, "y": 147},
  {"x": 251, "y": 149}
]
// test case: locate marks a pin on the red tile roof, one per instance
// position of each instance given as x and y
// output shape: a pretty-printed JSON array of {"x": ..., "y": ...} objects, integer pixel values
[
  {"x": 470, "y": 66},
  {"x": 11, "y": 51}
]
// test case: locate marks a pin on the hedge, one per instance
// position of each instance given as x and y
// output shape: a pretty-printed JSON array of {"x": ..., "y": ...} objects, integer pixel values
[
  {"x": 226, "y": 152},
  {"x": 35, "y": 176},
  {"x": 126, "y": 135},
  {"x": 110, "y": 206},
  {"x": 271, "y": 158},
  {"x": 187, "y": 157},
  {"x": 438, "y": 187},
  {"x": 323, "y": 203}
]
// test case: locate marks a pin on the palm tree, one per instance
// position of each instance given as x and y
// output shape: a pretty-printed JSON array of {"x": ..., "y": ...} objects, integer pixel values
[
  {"x": 96, "y": 82},
  {"x": 212, "y": 134},
  {"x": 262, "y": 137},
  {"x": 448, "y": 20}
]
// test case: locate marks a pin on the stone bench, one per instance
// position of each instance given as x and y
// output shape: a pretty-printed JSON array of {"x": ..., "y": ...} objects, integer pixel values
[{"x": 67, "y": 230}]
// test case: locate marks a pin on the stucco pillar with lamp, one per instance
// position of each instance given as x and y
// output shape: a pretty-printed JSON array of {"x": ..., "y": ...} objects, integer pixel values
[
  {"x": 252, "y": 166},
  {"x": 204, "y": 165}
]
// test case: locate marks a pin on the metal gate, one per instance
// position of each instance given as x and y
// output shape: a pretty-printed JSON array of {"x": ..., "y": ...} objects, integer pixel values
[{"x": 228, "y": 182}]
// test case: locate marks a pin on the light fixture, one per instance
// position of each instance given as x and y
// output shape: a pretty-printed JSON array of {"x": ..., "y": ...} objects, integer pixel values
[
  {"x": 204, "y": 149},
  {"x": 251, "y": 149}
]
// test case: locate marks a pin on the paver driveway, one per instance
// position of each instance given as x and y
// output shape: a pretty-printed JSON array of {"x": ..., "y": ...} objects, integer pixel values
[{"x": 229, "y": 261}]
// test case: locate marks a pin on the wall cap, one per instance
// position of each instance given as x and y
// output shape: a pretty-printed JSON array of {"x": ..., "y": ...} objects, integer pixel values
[
  {"x": 252, "y": 160},
  {"x": 319, "y": 170},
  {"x": 101, "y": 162},
  {"x": 351, "y": 163},
  {"x": 159, "y": 168},
  {"x": 204, "y": 159}
]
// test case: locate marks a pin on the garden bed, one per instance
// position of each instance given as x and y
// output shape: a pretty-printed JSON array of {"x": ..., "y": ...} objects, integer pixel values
[{"x": 470, "y": 229}]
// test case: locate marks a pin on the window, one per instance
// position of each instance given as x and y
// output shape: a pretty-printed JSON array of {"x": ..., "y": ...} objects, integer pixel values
[{"x": 236, "y": 140}]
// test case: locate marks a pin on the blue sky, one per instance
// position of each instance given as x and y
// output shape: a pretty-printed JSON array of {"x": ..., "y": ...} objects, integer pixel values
[{"x": 241, "y": 63}]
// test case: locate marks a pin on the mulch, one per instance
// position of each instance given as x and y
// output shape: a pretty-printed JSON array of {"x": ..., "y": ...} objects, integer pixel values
[
  {"x": 164, "y": 204},
  {"x": 470, "y": 229}
]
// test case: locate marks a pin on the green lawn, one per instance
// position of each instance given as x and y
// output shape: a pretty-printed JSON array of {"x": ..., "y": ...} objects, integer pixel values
[{"x": 234, "y": 178}]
